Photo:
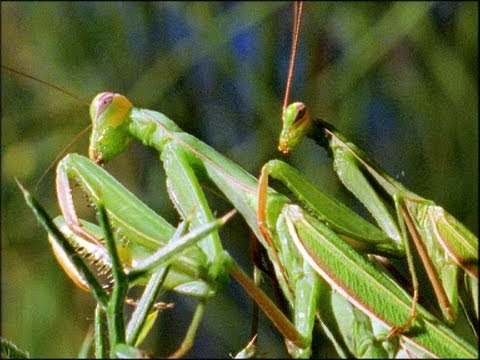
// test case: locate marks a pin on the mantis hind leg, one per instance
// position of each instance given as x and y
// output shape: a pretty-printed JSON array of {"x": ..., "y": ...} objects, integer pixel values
[{"x": 441, "y": 273}]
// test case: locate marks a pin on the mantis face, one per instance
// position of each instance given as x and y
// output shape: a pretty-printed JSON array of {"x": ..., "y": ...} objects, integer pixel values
[
  {"x": 296, "y": 124},
  {"x": 110, "y": 115}
]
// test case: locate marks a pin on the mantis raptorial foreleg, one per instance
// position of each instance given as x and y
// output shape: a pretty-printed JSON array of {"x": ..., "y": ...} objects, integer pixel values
[
  {"x": 150, "y": 233},
  {"x": 143, "y": 231},
  {"x": 68, "y": 252}
]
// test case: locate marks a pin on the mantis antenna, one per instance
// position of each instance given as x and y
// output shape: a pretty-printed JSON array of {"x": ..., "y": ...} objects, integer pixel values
[
  {"x": 297, "y": 20},
  {"x": 72, "y": 95},
  {"x": 62, "y": 153},
  {"x": 68, "y": 93}
]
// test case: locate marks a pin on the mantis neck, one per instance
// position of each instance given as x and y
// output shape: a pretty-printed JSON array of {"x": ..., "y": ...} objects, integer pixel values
[{"x": 317, "y": 132}]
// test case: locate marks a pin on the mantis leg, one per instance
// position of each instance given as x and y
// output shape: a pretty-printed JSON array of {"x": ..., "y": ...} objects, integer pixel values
[
  {"x": 420, "y": 217},
  {"x": 140, "y": 230},
  {"x": 339, "y": 217}
]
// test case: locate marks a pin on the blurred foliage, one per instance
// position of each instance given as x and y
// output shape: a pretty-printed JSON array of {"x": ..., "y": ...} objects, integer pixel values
[
  {"x": 9, "y": 350},
  {"x": 399, "y": 79}
]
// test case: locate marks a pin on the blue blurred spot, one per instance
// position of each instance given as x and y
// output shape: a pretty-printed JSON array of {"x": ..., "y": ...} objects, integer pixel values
[
  {"x": 245, "y": 46},
  {"x": 383, "y": 128},
  {"x": 443, "y": 14}
]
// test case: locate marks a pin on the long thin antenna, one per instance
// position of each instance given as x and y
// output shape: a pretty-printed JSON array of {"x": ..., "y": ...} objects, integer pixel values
[
  {"x": 18, "y": 72},
  {"x": 61, "y": 154},
  {"x": 298, "y": 12},
  {"x": 63, "y": 91}
]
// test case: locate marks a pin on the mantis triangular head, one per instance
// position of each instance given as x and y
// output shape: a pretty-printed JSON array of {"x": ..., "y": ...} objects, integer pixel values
[
  {"x": 110, "y": 115},
  {"x": 296, "y": 124}
]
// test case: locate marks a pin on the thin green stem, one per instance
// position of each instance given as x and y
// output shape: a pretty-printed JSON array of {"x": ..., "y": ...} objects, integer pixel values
[
  {"x": 42, "y": 216},
  {"x": 115, "y": 316},
  {"x": 101, "y": 340},
  {"x": 146, "y": 302},
  {"x": 174, "y": 247},
  {"x": 192, "y": 330}
]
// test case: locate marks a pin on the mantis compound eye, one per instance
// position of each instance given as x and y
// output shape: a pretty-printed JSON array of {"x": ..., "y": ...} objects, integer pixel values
[
  {"x": 103, "y": 100},
  {"x": 296, "y": 124},
  {"x": 301, "y": 112}
]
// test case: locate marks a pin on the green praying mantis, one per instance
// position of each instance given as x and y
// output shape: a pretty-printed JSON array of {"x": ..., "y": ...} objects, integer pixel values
[
  {"x": 288, "y": 232},
  {"x": 443, "y": 243},
  {"x": 296, "y": 234}
]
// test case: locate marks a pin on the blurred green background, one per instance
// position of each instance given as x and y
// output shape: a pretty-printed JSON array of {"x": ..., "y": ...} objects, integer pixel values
[{"x": 399, "y": 79}]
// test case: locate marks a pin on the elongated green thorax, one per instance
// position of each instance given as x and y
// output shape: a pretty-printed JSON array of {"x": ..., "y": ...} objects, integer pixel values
[{"x": 110, "y": 115}]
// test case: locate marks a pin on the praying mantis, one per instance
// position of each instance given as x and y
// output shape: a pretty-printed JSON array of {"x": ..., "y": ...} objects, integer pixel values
[
  {"x": 182, "y": 126},
  {"x": 115, "y": 121},
  {"x": 444, "y": 245}
]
